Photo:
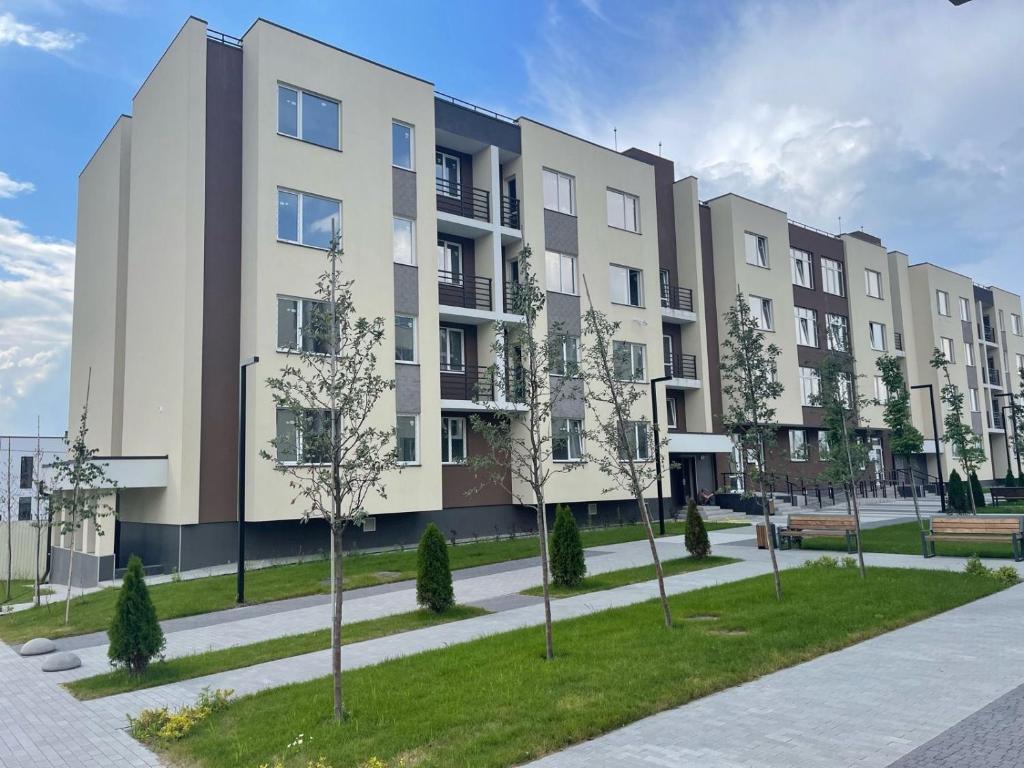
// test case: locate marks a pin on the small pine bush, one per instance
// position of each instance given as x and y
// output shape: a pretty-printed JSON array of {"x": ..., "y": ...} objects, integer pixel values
[
  {"x": 976, "y": 491},
  {"x": 433, "y": 572},
  {"x": 568, "y": 566},
  {"x": 135, "y": 634},
  {"x": 975, "y": 567},
  {"x": 957, "y": 493},
  {"x": 1010, "y": 481},
  {"x": 697, "y": 542}
]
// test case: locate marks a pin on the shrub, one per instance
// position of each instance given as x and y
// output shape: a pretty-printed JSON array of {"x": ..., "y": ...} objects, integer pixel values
[
  {"x": 975, "y": 567},
  {"x": 433, "y": 572},
  {"x": 850, "y": 562},
  {"x": 697, "y": 542},
  {"x": 825, "y": 561},
  {"x": 1009, "y": 481},
  {"x": 135, "y": 634},
  {"x": 1006, "y": 574},
  {"x": 957, "y": 493},
  {"x": 568, "y": 566},
  {"x": 976, "y": 491},
  {"x": 161, "y": 725}
]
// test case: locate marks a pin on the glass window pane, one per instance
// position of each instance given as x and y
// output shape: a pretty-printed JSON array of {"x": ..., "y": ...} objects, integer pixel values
[
  {"x": 320, "y": 218},
  {"x": 554, "y": 271},
  {"x": 405, "y": 338},
  {"x": 616, "y": 215},
  {"x": 401, "y": 145},
  {"x": 405, "y": 434},
  {"x": 287, "y": 216},
  {"x": 287, "y": 324},
  {"x": 617, "y": 284},
  {"x": 403, "y": 241},
  {"x": 320, "y": 121},
  {"x": 550, "y": 191},
  {"x": 286, "y": 448},
  {"x": 287, "y": 111},
  {"x": 635, "y": 287},
  {"x": 565, "y": 194},
  {"x": 569, "y": 274}
]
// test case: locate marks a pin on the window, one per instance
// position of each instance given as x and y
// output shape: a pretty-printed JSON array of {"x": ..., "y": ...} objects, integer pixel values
[
  {"x": 453, "y": 439},
  {"x": 810, "y": 386},
  {"x": 637, "y": 446},
  {"x": 27, "y": 467},
  {"x": 973, "y": 392},
  {"x": 881, "y": 393},
  {"x": 806, "y": 327},
  {"x": 407, "y": 429},
  {"x": 405, "y": 339},
  {"x": 666, "y": 349},
  {"x": 626, "y": 286},
  {"x": 844, "y": 387},
  {"x": 449, "y": 262},
  {"x": 877, "y": 333},
  {"x": 763, "y": 313},
  {"x": 566, "y": 440},
  {"x": 946, "y": 345},
  {"x": 665, "y": 286},
  {"x": 401, "y": 145},
  {"x": 303, "y": 438},
  {"x": 565, "y": 358},
  {"x": 453, "y": 350},
  {"x": 873, "y": 283},
  {"x": 309, "y": 117},
  {"x": 802, "y": 272},
  {"x": 832, "y": 280},
  {"x": 797, "y": 445},
  {"x": 307, "y": 219},
  {"x": 670, "y": 411},
  {"x": 942, "y": 302},
  {"x": 559, "y": 192},
  {"x": 561, "y": 272},
  {"x": 965, "y": 310},
  {"x": 25, "y": 508},
  {"x": 629, "y": 361},
  {"x": 757, "y": 249},
  {"x": 1020, "y": 365},
  {"x": 623, "y": 210},
  {"x": 404, "y": 243},
  {"x": 968, "y": 354},
  {"x": 1015, "y": 325},
  {"x": 837, "y": 329},
  {"x": 823, "y": 447},
  {"x": 303, "y": 324},
  {"x": 447, "y": 172}
]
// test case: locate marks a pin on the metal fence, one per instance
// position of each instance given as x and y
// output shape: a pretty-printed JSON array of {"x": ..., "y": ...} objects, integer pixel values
[{"x": 23, "y": 550}]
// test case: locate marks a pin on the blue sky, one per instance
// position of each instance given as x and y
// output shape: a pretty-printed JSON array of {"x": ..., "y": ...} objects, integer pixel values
[{"x": 906, "y": 118}]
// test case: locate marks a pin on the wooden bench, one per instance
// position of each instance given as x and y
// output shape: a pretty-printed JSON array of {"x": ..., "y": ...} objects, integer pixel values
[
  {"x": 833, "y": 526},
  {"x": 974, "y": 528},
  {"x": 1006, "y": 493}
]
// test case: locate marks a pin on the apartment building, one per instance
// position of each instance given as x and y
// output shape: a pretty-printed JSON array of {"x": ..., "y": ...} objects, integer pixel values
[
  {"x": 203, "y": 223},
  {"x": 25, "y": 459}
]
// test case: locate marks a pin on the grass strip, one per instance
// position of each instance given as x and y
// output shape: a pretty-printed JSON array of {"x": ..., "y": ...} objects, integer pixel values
[
  {"x": 22, "y": 591},
  {"x": 626, "y": 576},
  {"x": 497, "y": 702},
  {"x": 236, "y": 657},
  {"x": 93, "y": 612},
  {"x": 905, "y": 539}
]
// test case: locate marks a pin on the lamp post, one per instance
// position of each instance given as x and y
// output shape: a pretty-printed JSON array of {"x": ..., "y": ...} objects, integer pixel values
[
  {"x": 240, "y": 589},
  {"x": 1012, "y": 407},
  {"x": 657, "y": 450},
  {"x": 938, "y": 453}
]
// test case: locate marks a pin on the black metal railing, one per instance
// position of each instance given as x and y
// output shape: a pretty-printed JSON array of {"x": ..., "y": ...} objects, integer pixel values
[
  {"x": 511, "y": 294},
  {"x": 897, "y": 340},
  {"x": 468, "y": 382},
  {"x": 675, "y": 297},
  {"x": 681, "y": 367},
  {"x": 515, "y": 384},
  {"x": 997, "y": 420},
  {"x": 986, "y": 332},
  {"x": 454, "y": 198},
  {"x": 455, "y": 289},
  {"x": 510, "y": 212},
  {"x": 993, "y": 377}
]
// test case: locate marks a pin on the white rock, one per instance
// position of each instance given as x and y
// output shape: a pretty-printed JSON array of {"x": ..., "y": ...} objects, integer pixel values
[
  {"x": 61, "y": 661},
  {"x": 38, "y": 647}
]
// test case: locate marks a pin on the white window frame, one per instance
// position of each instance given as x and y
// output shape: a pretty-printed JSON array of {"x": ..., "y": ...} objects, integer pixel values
[
  {"x": 617, "y": 273},
  {"x": 298, "y": 442},
  {"x": 872, "y": 326},
  {"x": 1015, "y": 324},
  {"x": 636, "y": 351},
  {"x": 765, "y": 319},
  {"x": 556, "y": 430},
  {"x": 798, "y": 448},
  {"x": 298, "y": 114},
  {"x": 833, "y": 277},
  {"x": 875, "y": 283},
  {"x": 1020, "y": 363},
  {"x": 633, "y": 430},
  {"x": 300, "y": 318},
  {"x": 965, "y": 309},
  {"x": 810, "y": 387},
  {"x": 412, "y": 145},
  {"x": 445, "y": 261},
  {"x": 670, "y": 412},
  {"x": 942, "y": 302},
  {"x": 881, "y": 393},
  {"x": 558, "y": 176},
  {"x": 810, "y": 318},
  {"x": 947, "y": 347},
  {"x": 395, "y": 220},
  {"x": 969, "y": 353},
  {"x": 563, "y": 363},
  {"x": 754, "y": 254},
  {"x": 972, "y": 394},
  {"x": 300, "y": 209},
  {"x": 824, "y": 449},
  {"x": 562, "y": 259},
  {"x": 445, "y": 188},
  {"x": 445, "y": 348},
  {"x": 840, "y": 323},
  {"x": 416, "y": 437},
  {"x": 800, "y": 256},
  {"x": 415, "y": 340},
  {"x": 615, "y": 197},
  {"x": 447, "y": 440}
]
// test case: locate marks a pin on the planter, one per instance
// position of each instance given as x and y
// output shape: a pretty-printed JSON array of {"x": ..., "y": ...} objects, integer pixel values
[{"x": 737, "y": 502}]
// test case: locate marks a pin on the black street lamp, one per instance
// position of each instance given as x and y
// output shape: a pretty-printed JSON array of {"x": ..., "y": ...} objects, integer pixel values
[
  {"x": 1012, "y": 407},
  {"x": 240, "y": 590},
  {"x": 657, "y": 450},
  {"x": 938, "y": 453}
]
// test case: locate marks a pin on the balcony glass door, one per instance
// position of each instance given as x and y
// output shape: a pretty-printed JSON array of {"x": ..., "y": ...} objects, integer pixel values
[
  {"x": 666, "y": 343},
  {"x": 446, "y": 168},
  {"x": 449, "y": 262},
  {"x": 453, "y": 350}
]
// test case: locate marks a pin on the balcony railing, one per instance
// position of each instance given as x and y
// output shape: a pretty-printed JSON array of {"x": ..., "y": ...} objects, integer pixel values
[
  {"x": 511, "y": 292},
  {"x": 674, "y": 297},
  {"x": 510, "y": 212},
  {"x": 986, "y": 332},
  {"x": 897, "y": 340},
  {"x": 681, "y": 367},
  {"x": 466, "y": 382},
  {"x": 460, "y": 200},
  {"x": 997, "y": 420},
  {"x": 455, "y": 289},
  {"x": 993, "y": 377}
]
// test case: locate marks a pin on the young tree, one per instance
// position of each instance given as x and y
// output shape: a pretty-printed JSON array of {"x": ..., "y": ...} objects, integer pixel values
[
  {"x": 135, "y": 634},
  {"x": 568, "y": 565},
  {"x": 84, "y": 488},
  {"x": 8, "y": 503},
  {"x": 624, "y": 439},
  {"x": 750, "y": 384},
  {"x": 966, "y": 443},
  {"x": 904, "y": 438},
  {"x": 841, "y": 407},
  {"x": 517, "y": 428},
  {"x": 433, "y": 572},
  {"x": 697, "y": 542},
  {"x": 327, "y": 446}
]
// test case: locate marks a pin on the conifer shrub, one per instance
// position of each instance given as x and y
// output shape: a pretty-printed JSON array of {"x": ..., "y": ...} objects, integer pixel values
[
  {"x": 433, "y": 572},
  {"x": 568, "y": 565},
  {"x": 977, "y": 491},
  {"x": 135, "y": 634},
  {"x": 1009, "y": 481},
  {"x": 697, "y": 542},
  {"x": 956, "y": 490}
]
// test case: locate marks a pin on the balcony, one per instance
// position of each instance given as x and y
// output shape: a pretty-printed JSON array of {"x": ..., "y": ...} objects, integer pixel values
[
  {"x": 466, "y": 383},
  {"x": 510, "y": 212},
  {"x": 677, "y": 304},
  {"x": 993, "y": 378},
  {"x": 996, "y": 420},
  {"x": 683, "y": 370},
  {"x": 986, "y": 333},
  {"x": 459, "y": 290},
  {"x": 459, "y": 200},
  {"x": 897, "y": 340}
]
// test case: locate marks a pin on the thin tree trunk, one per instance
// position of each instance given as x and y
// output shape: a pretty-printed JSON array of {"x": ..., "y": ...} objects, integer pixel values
[
  {"x": 856, "y": 508},
  {"x": 542, "y": 528},
  {"x": 654, "y": 556},
  {"x": 768, "y": 522},
  {"x": 970, "y": 494},
  {"x": 336, "y": 588},
  {"x": 71, "y": 567},
  {"x": 10, "y": 526}
]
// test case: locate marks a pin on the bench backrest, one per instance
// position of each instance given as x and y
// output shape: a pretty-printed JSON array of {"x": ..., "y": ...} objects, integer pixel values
[
  {"x": 1004, "y": 492},
  {"x": 822, "y": 522},
  {"x": 977, "y": 524}
]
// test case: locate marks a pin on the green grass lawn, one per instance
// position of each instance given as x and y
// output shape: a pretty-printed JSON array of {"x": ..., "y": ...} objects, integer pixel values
[
  {"x": 236, "y": 657},
  {"x": 496, "y": 702},
  {"x": 22, "y": 591},
  {"x": 905, "y": 539},
  {"x": 92, "y": 612},
  {"x": 625, "y": 576}
]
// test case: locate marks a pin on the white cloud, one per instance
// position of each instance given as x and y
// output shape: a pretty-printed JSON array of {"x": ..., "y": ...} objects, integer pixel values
[
  {"x": 14, "y": 32},
  {"x": 9, "y": 187}
]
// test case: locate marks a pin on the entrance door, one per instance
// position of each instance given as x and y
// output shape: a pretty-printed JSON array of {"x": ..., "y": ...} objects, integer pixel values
[{"x": 687, "y": 478}]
